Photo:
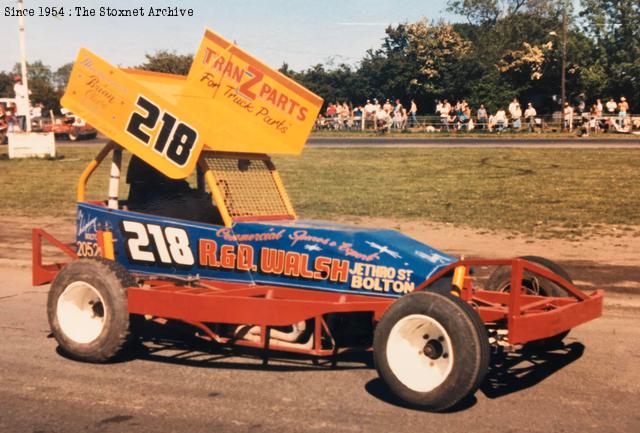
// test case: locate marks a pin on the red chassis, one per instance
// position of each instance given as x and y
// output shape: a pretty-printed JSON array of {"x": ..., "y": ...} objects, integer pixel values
[{"x": 200, "y": 302}]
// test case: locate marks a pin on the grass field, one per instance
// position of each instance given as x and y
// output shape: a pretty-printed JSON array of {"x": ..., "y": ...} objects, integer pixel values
[{"x": 565, "y": 193}]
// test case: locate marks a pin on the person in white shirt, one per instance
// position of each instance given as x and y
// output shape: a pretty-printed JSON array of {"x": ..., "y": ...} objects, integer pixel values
[
  {"x": 568, "y": 116},
  {"x": 444, "y": 114},
  {"x": 500, "y": 119},
  {"x": 611, "y": 107},
  {"x": 369, "y": 113},
  {"x": 515, "y": 112},
  {"x": 22, "y": 102},
  {"x": 383, "y": 120},
  {"x": 412, "y": 112},
  {"x": 530, "y": 117}
]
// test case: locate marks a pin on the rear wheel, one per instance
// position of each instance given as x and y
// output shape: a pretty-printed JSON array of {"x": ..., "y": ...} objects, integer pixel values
[
  {"x": 532, "y": 284},
  {"x": 430, "y": 351},
  {"x": 87, "y": 309}
]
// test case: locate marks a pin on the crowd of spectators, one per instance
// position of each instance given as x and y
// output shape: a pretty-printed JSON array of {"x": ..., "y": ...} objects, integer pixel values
[
  {"x": 611, "y": 117},
  {"x": 383, "y": 117}
]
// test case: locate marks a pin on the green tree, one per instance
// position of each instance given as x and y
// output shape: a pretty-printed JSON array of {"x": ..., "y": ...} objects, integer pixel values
[
  {"x": 168, "y": 62},
  {"x": 614, "y": 26},
  {"x": 6, "y": 85},
  {"x": 61, "y": 76}
]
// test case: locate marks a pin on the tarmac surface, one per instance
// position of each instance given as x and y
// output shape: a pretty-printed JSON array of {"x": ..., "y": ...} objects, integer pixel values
[
  {"x": 180, "y": 384},
  {"x": 174, "y": 382},
  {"x": 463, "y": 141}
]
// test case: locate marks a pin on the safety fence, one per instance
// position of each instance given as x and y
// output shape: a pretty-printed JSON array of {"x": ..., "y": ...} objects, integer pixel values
[{"x": 584, "y": 123}]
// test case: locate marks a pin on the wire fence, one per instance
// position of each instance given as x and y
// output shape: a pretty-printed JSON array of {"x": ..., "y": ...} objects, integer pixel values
[{"x": 579, "y": 123}]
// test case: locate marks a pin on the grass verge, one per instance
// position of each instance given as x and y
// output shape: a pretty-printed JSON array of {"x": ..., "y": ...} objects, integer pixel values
[{"x": 559, "y": 193}]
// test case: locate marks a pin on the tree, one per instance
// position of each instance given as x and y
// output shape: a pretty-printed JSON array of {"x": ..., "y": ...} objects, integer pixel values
[
  {"x": 437, "y": 49},
  {"x": 61, "y": 76},
  {"x": 168, "y": 62},
  {"x": 480, "y": 12},
  {"x": 6, "y": 85},
  {"x": 614, "y": 26}
]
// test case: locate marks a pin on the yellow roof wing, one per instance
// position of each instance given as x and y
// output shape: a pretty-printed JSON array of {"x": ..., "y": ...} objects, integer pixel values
[
  {"x": 230, "y": 101},
  {"x": 170, "y": 86},
  {"x": 134, "y": 115},
  {"x": 247, "y": 106}
]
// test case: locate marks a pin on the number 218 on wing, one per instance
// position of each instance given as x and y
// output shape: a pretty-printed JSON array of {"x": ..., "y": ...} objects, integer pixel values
[{"x": 175, "y": 139}]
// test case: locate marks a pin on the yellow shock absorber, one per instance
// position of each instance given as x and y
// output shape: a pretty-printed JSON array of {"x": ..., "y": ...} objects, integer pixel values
[
  {"x": 459, "y": 274},
  {"x": 107, "y": 245}
]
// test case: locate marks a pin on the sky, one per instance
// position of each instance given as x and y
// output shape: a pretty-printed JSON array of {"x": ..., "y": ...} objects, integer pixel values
[{"x": 302, "y": 33}]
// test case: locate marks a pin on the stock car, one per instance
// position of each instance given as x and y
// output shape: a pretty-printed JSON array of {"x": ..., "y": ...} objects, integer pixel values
[
  {"x": 70, "y": 128},
  {"x": 207, "y": 235}
]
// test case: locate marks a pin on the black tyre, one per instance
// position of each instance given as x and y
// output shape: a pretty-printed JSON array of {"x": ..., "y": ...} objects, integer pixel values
[
  {"x": 431, "y": 350},
  {"x": 87, "y": 309},
  {"x": 500, "y": 281}
]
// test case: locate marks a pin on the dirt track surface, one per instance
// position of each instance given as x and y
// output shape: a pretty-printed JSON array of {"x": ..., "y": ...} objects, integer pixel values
[{"x": 169, "y": 384}]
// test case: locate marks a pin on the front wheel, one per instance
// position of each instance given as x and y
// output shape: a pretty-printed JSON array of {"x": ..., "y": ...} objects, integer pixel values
[
  {"x": 431, "y": 350},
  {"x": 88, "y": 311}
]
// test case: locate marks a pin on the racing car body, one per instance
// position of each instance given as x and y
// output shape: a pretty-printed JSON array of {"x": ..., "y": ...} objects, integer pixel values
[
  {"x": 294, "y": 253},
  {"x": 71, "y": 128},
  {"x": 225, "y": 252}
]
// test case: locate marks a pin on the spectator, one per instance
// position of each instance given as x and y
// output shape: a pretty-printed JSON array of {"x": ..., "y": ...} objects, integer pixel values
[
  {"x": 623, "y": 108},
  {"x": 397, "y": 119},
  {"x": 344, "y": 116},
  {"x": 331, "y": 110},
  {"x": 320, "y": 122},
  {"x": 404, "y": 117},
  {"x": 36, "y": 115},
  {"x": 530, "y": 117},
  {"x": 383, "y": 120},
  {"x": 22, "y": 103},
  {"x": 465, "y": 116},
  {"x": 439, "y": 106},
  {"x": 3, "y": 124},
  {"x": 398, "y": 106},
  {"x": 357, "y": 116},
  {"x": 611, "y": 107},
  {"x": 412, "y": 112},
  {"x": 594, "y": 119},
  {"x": 491, "y": 122},
  {"x": 568, "y": 116},
  {"x": 500, "y": 119},
  {"x": 36, "y": 112},
  {"x": 369, "y": 114},
  {"x": 387, "y": 107},
  {"x": 598, "y": 106},
  {"x": 582, "y": 106},
  {"x": 516, "y": 113},
  {"x": 10, "y": 117},
  {"x": 444, "y": 115},
  {"x": 482, "y": 117}
]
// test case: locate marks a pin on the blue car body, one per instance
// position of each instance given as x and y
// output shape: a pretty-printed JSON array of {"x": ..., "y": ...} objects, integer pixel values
[{"x": 312, "y": 255}]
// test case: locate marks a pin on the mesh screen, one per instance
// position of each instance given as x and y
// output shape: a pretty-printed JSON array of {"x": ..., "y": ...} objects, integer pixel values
[{"x": 247, "y": 186}]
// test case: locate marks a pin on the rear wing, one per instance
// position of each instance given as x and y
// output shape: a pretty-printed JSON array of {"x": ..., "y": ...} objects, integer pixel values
[{"x": 229, "y": 102}]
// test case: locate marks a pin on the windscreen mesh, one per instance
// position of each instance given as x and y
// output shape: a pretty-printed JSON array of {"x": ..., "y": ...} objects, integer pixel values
[{"x": 248, "y": 186}]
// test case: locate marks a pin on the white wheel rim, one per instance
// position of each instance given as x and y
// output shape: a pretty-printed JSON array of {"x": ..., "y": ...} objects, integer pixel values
[
  {"x": 407, "y": 348},
  {"x": 81, "y": 312}
]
